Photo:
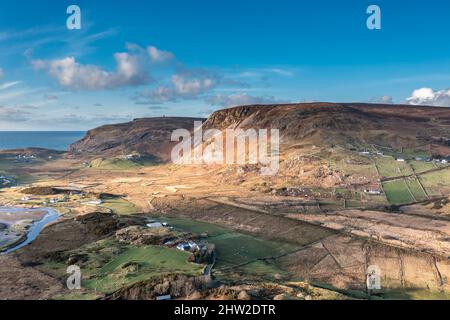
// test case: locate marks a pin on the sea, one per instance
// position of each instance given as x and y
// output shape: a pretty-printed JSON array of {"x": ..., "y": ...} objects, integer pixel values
[{"x": 55, "y": 140}]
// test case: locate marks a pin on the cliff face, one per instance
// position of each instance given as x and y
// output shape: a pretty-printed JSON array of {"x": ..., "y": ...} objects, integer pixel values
[
  {"x": 148, "y": 137},
  {"x": 321, "y": 124},
  {"x": 343, "y": 124}
]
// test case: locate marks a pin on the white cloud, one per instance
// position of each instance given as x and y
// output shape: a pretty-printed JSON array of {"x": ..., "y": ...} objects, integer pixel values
[
  {"x": 72, "y": 74},
  {"x": 8, "y": 85},
  {"x": 382, "y": 100},
  {"x": 427, "y": 96},
  {"x": 158, "y": 55},
  {"x": 282, "y": 72},
  {"x": 188, "y": 84},
  {"x": 239, "y": 99}
]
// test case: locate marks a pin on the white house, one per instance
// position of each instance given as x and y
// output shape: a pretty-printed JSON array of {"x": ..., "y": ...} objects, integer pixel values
[
  {"x": 373, "y": 191},
  {"x": 184, "y": 246},
  {"x": 155, "y": 225},
  {"x": 188, "y": 246},
  {"x": 94, "y": 202}
]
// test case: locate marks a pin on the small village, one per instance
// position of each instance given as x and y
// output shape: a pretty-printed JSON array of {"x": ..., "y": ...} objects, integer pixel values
[
  {"x": 6, "y": 182},
  {"x": 435, "y": 159}
]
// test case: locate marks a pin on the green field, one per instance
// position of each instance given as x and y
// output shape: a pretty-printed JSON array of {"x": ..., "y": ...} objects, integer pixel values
[
  {"x": 122, "y": 163},
  {"x": 415, "y": 189},
  {"x": 151, "y": 261},
  {"x": 114, "y": 164},
  {"x": 421, "y": 166},
  {"x": 9, "y": 168},
  {"x": 389, "y": 167},
  {"x": 120, "y": 206},
  {"x": 111, "y": 265},
  {"x": 397, "y": 192},
  {"x": 234, "y": 248},
  {"x": 437, "y": 183},
  {"x": 348, "y": 165}
]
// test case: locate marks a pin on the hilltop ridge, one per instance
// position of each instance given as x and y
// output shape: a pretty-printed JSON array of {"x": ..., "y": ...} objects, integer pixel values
[{"x": 349, "y": 125}]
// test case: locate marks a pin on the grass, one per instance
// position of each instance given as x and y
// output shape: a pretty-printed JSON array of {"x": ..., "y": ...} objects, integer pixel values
[
  {"x": 413, "y": 294},
  {"x": 9, "y": 168},
  {"x": 421, "y": 166},
  {"x": 114, "y": 164},
  {"x": 415, "y": 189},
  {"x": 235, "y": 248},
  {"x": 195, "y": 226},
  {"x": 437, "y": 183},
  {"x": 269, "y": 270},
  {"x": 397, "y": 192},
  {"x": 120, "y": 206},
  {"x": 362, "y": 169},
  {"x": 105, "y": 270},
  {"x": 389, "y": 167},
  {"x": 152, "y": 261},
  {"x": 76, "y": 296}
]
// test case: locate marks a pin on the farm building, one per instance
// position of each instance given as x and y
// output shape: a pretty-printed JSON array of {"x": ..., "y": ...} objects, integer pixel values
[
  {"x": 188, "y": 246},
  {"x": 373, "y": 191}
]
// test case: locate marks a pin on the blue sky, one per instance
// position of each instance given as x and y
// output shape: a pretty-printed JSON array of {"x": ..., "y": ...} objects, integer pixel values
[{"x": 140, "y": 58}]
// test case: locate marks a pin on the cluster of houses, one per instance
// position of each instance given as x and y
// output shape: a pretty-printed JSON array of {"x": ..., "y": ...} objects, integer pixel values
[
  {"x": 24, "y": 158},
  {"x": 442, "y": 160},
  {"x": 368, "y": 153},
  {"x": 439, "y": 160},
  {"x": 429, "y": 160},
  {"x": 50, "y": 201}
]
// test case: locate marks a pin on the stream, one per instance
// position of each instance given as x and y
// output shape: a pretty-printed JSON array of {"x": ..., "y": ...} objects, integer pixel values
[{"x": 34, "y": 229}]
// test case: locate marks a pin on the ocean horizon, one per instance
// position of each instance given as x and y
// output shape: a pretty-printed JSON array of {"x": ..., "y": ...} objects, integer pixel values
[{"x": 55, "y": 140}]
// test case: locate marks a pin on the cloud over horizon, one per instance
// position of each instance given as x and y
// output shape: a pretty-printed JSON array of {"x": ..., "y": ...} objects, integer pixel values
[
  {"x": 185, "y": 84},
  {"x": 428, "y": 96},
  {"x": 71, "y": 74},
  {"x": 237, "y": 99}
]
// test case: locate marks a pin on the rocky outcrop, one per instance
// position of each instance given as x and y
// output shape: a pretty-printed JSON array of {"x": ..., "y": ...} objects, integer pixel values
[{"x": 148, "y": 137}]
